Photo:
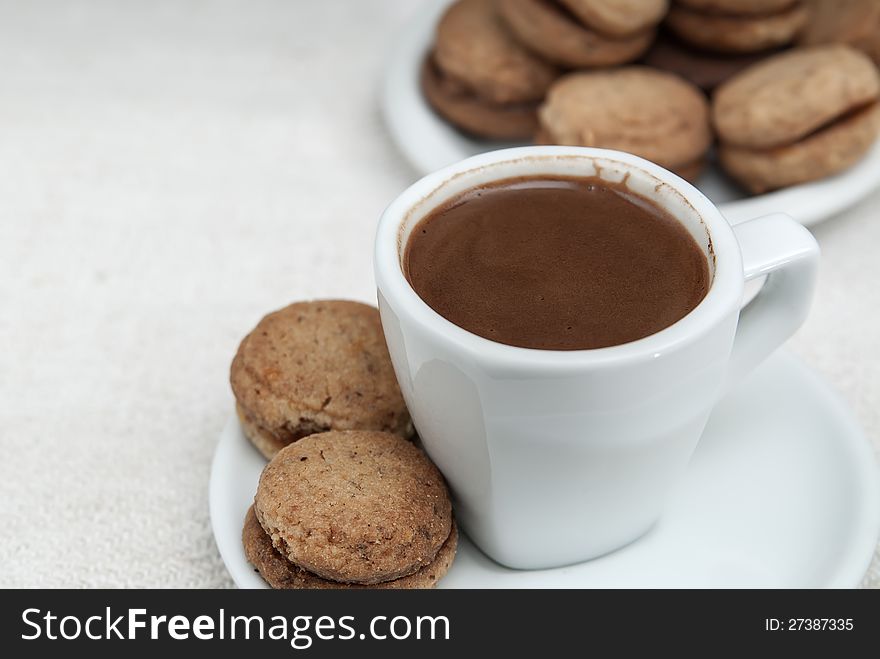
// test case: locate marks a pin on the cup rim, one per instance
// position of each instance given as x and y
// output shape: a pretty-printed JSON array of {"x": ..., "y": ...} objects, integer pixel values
[{"x": 724, "y": 293}]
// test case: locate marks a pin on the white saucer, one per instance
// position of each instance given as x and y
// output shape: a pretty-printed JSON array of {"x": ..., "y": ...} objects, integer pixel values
[
  {"x": 429, "y": 143},
  {"x": 783, "y": 491}
]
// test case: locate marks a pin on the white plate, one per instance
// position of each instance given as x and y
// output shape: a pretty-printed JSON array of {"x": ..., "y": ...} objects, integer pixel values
[
  {"x": 429, "y": 143},
  {"x": 783, "y": 491}
]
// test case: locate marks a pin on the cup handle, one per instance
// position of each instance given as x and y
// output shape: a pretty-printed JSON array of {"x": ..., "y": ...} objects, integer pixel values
[{"x": 784, "y": 250}]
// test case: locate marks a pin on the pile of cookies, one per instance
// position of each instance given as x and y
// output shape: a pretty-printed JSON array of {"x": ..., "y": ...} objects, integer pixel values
[
  {"x": 346, "y": 500},
  {"x": 797, "y": 117},
  {"x": 737, "y": 26},
  {"x": 664, "y": 80}
]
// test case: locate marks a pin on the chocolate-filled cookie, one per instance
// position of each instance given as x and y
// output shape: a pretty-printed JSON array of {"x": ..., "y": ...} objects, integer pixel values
[
  {"x": 473, "y": 114},
  {"x": 737, "y": 33},
  {"x": 618, "y": 18},
  {"x": 822, "y": 154},
  {"x": 550, "y": 29},
  {"x": 474, "y": 48},
  {"x": 280, "y": 573},
  {"x": 797, "y": 116},
  {"x": 357, "y": 506}
]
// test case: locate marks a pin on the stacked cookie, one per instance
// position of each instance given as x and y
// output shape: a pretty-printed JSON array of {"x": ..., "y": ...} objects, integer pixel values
[
  {"x": 350, "y": 509},
  {"x": 797, "y": 117},
  {"x": 644, "y": 111},
  {"x": 494, "y": 60},
  {"x": 709, "y": 41},
  {"x": 584, "y": 33},
  {"x": 783, "y": 113},
  {"x": 346, "y": 500},
  {"x": 313, "y": 367},
  {"x": 737, "y": 26},
  {"x": 480, "y": 78}
]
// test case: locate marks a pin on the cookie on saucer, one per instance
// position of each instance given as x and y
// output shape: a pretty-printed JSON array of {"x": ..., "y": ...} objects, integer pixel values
[
  {"x": 559, "y": 32},
  {"x": 479, "y": 78},
  {"x": 472, "y": 114},
  {"x": 731, "y": 27},
  {"x": 653, "y": 114},
  {"x": 280, "y": 573},
  {"x": 798, "y": 116},
  {"x": 354, "y": 506},
  {"x": 312, "y": 367},
  {"x": 474, "y": 49}
]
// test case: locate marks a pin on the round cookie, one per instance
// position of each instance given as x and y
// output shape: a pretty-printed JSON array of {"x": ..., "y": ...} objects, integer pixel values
[
  {"x": 853, "y": 22},
  {"x": 737, "y": 34},
  {"x": 356, "y": 506},
  {"x": 472, "y": 114},
  {"x": 822, "y": 154},
  {"x": 474, "y": 47},
  {"x": 790, "y": 95},
  {"x": 618, "y": 17},
  {"x": 552, "y": 32},
  {"x": 739, "y": 6},
  {"x": 650, "y": 113},
  {"x": 280, "y": 573},
  {"x": 312, "y": 367}
]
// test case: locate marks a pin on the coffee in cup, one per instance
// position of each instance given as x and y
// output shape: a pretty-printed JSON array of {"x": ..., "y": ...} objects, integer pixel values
[
  {"x": 556, "y": 263},
  {"x": 561, "y": 454}
]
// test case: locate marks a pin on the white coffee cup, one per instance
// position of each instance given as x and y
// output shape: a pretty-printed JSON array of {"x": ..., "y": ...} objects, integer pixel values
[{"x": 556, "y": 457}]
